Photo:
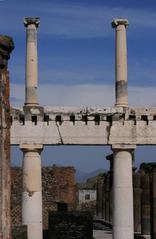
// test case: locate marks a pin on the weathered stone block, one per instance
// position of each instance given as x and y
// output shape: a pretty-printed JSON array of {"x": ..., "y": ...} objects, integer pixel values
[
  {"x": 72, "y": 225},
  {"x": 19, "y": 232}
]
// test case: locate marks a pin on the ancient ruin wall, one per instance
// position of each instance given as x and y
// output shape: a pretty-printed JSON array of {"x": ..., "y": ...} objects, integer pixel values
[
  {"x": 6, "y": 46},
  {"x": 58, "y": 185}
]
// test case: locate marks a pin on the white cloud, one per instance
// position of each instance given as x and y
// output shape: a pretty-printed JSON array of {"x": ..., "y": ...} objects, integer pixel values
[
  {"x": 85, "y": 95},
  {"x": 86, "y": 20},
  {"x": 72, "y": 20}
]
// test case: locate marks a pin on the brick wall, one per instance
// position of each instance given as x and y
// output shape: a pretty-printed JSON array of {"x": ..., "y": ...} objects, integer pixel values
[{"x": 58, "y": 185}]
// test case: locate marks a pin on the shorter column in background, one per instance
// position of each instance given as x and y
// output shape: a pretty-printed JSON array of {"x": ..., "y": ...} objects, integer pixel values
[
  {"x": 107, "y": 202},
  {"x": 145, "y": 205},
  {"x": 32, "y": 190},
  {"x": 99, "y": 197},
  {"x": 137, "y": 202},
  {"x": 110, "y": 157},
  {"x": 104, "y": 198}
]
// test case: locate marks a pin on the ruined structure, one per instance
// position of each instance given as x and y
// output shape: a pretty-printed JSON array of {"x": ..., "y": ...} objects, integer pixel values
[
  {"x": 87, "y": 199},
  {"x": 58, "y": 186},
  {"x": 6, "y": 46},
  {"x": 33, "y": 126},
  {"x": 144, "y": 181}
]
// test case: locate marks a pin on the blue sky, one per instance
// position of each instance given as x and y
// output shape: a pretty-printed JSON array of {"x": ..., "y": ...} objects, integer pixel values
[{"x": 76, "y": 55}]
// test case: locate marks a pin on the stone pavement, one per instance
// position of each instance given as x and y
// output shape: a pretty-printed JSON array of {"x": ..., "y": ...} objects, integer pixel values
[
  {"x": 100, "y": 234},
  {"x": 101, "y": 230}
]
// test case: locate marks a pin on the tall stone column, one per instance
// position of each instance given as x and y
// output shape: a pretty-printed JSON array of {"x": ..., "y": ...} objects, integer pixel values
[
  {"x": 122, "y": 194},
  {"x": 31, "y": 75},
  {"x": 121, "y": 61},
  {"x": 6, "y": 46},
  {"x": 32, "y": 190}
]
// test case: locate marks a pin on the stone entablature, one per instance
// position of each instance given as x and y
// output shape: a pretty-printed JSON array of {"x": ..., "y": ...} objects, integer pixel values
[{"x": 84, "y": 126}]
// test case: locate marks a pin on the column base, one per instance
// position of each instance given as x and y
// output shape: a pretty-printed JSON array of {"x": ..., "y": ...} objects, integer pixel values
[{"x": 120, "y": 232}]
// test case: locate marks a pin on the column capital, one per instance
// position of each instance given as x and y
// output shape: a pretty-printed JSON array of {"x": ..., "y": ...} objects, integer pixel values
[
  {"x": 6, "y": 47},
  {"x": 31, "y": 147},
  {"x": 119, "y": 21},
  {"x": 32, "y": 21}
]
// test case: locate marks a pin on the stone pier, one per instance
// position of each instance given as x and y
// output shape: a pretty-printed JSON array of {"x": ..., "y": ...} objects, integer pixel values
[{"x": 6, "y": 46}]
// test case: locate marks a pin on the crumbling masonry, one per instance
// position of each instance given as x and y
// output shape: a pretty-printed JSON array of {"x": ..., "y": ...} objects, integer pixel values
[
  {"x": 58, "y": 186},
  {"x": 6, "y": 46}
]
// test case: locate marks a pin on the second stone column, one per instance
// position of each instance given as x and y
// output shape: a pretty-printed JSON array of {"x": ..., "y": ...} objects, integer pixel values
[
  {"x": 32, "y": 191},
  {"x": 122, "y": 194}
]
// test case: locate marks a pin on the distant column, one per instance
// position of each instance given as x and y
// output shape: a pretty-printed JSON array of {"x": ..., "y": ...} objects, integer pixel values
[
  {"x": 122, "y": 194},
  {"x": 103, "y": 198},
  {"x": 145, "y": 205},
  {"x": 99, "y": 197},
  {"x": 121, "y": 61},
  {"x": 137, "y": 202},
  {"x": 107, "y": 209},
  {"x": 31, "y": 74},
  {"x": 32, "y": 191},
  {"x": 110, "y": 157}
]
